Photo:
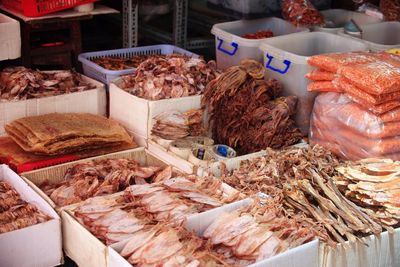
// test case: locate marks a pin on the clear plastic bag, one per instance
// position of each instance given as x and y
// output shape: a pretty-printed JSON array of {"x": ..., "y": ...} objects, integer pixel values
[
  {"x": 351, "y": 132},
  {"x": 301, "y": 13}
]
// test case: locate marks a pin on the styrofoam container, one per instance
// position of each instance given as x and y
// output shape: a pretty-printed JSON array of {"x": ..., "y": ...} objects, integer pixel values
[
  {"x": 90, "y": 101},
  {"x": 337, "y": 19},
  {"x": 36, "y": 245},
  {"x": 303, "y": 256},
  {"x": 285, "y": 59},
  {"x": 136, "y": 113},
  {"x": 10, "y": 38},
  {"x": 231, "y": 48},
  {"x": 101, "y": 74},
  {"x": 55, "y": 174},
  {"x": 379, "y": 37}
]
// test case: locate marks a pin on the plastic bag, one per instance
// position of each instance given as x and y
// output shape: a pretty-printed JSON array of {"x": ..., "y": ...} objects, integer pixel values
[
  {"x": 320, "y": 75},
  {"x": 301, "y": 13},
  {"x": 357, "y": 133},
  {"x": 323, "y": 86},
  {"x": 390, "y": 9}
]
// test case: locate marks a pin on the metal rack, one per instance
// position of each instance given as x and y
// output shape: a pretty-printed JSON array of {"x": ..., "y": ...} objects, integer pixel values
[{"x": 130, "y": 23}]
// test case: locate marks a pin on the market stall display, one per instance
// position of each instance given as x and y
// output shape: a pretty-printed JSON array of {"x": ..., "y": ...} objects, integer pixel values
[
  {"x": 101, "y": 177},
  {"x": 20, "y": 83},
  {"x": 246, "y": 112},
  {"x": 61, "y": 133}
]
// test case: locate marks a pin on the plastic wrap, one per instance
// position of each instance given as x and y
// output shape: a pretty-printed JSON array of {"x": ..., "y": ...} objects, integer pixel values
[
  {"x": 323, "y": 86},
  {"x": 351, "y": 132},
  {"x": 301, "y": 13},
  {"x": 390, "y": 9},
  {"x": 320, "y": 75}
]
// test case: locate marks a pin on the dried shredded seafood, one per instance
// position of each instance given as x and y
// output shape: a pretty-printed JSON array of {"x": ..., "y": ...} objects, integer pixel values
[
  {"x": 15, "y": 213},
  {"x": 170, "y": 76},
  {"x": 101, "y": 177},
  {"x": 120, "y": 63},
  {"x": 61, "y": 133},
  {"x": 20, "y": 83},
  {"x": 373, "y": 184},
  {"x": 164, "y": 246},
  {"x": 245, "y": 111},
  {"x": 260, "y": 231},
  {"x": 303, "y": 177},
  {"x": 174, "y": 125}
]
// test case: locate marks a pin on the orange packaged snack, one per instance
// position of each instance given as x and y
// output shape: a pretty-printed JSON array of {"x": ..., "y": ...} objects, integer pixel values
[
  {"x": 323, "y": 86},
  {"x": 320, "y": 75}
]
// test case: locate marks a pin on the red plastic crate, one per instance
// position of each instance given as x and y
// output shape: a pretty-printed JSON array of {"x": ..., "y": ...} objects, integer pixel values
[{"x": 37, "y": 8}]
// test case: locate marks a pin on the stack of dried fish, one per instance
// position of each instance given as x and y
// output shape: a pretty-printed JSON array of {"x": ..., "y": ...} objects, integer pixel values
[
  {"x": 164, "y": 246},
  {"x": 101, "y": 177},
  {"x": 174, "y": 125},
  {"x": 178, "y": 197},
  {"x": 19, "y": 83},
  {"x": 170, "y": 77},
  {"x": 61, "y": 133},
  {"x": 110, "y": 221},
  {"x": 258, "y": 232},
  {"x": 302, "y": 176},
  {"x": 120, "y": 63},
  {"x": 15, "y": 213},
  {"x": 246, "y": 112},
  {"x": 373, "y": 184}
]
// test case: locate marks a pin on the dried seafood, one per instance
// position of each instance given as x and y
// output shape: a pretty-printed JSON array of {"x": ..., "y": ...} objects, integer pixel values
[
  {"x": 260, "y": 231},
  {"x": 302, "y": 176},
  {"x": 164, "y": 246},
  {"x": 170, "y": 76},
  {"x": 373, "y": 184},
  {"x": 20, "y": 83},
  {"x": 61, "y": 133},
  {"x": 174, "y": 125},
  {"x": 178, "y": 197},
  {"x": 16, "y": 213},
  {"x": 246, "y": 112},
  {"x": 120, "y": 63},
  {"x": 259, "y": 35},
  {"x": 101, "y": 177}
]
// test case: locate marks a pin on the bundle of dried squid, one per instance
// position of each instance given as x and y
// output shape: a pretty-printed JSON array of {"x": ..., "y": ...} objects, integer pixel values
[
  {"x": 260, "y": 231},
  {"x": 20, "y": 83},
  {"x": 172, "y": 76},
  {"x": 374, "y": 184},
  {"x": 16, "y": 213},
  {"x": 172, "y": 125},
  {"x": 303, "y": 176},
  {"x": 165, "y": 246},
  {"x": 245, "y": 111},
  {"x": 101, "y": 177}
]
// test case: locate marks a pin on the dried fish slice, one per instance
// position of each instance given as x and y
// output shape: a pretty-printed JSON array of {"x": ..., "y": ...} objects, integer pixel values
[{"x": 138, "y": 240}]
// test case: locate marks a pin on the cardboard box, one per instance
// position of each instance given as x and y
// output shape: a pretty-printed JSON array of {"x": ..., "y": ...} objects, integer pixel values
[
  {"x": 378, "y": 251},
  {"x": 37, "y": 245},
  {"x": 136, "y": 113},
  {"x": 10, "y": 38},
  {"x": 302, "y": 256},
  {"x": 90, "y": 101},
  {"x": 56, "y": 174}
]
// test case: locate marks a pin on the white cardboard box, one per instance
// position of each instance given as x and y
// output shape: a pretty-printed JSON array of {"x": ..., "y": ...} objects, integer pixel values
[
  {"x": 56, "y": 174},
  {"x": 37, "y": 245},
  {"x": 90, "y": 101},
  {"x": 10, "y": 38},
  {"x": 302, "y": 256},
  {"x": 136, "y": 113}
]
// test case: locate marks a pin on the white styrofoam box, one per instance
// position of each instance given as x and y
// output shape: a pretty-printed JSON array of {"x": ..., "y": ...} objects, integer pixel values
[
  {"x": 231, "y": 48},
  {"x": 56, "y": 174},
  {"x": 90, "y": 101},
  {"x": 136, "y": 114},
  {"x": 378, "y": 251},
  {"x": 36, "y": 245},
  {"x": 302, "y": 256},
  {"x": 285, "y": 59},
  {"x": 337, "y": 18},
  {"x": 380, "y": 36},
  {"x": 10, "y": 38}
]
